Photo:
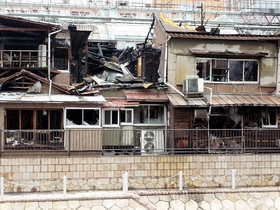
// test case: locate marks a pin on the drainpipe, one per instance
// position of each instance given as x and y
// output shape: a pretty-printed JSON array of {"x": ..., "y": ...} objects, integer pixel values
[
  {"x": 165, "y": 59},
  {"x": 175, "y": 89},
  {"x": 49, "y": 58}
]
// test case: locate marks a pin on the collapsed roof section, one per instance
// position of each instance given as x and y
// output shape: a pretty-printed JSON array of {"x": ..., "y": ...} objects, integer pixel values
[{"x": 25, "y": 81}]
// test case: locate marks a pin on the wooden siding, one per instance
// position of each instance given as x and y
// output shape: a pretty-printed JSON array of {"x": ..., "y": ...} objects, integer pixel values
[{"x": 183, "y": 118}]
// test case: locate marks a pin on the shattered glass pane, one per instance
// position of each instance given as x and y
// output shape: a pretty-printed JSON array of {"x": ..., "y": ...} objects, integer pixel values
[
  {"x": 91, "y": 117},
  {"x": 74, "y": 117},
  {"x": 203, "y": 68}
]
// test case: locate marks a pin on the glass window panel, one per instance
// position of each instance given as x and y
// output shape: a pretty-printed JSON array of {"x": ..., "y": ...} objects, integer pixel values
[
  {"x": 236, "y": 70},
  {"x": 107, "y": 117},
  {"x": 115, "y": 117},
  {"x": 251, "y": 71},
  {"x": 123, "y": 114},
  {"x": 129, "y": 116}
]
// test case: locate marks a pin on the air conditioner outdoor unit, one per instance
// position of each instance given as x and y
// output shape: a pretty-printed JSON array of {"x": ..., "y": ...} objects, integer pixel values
[
  {"x": 193, "y": 85},
  {"x": 152, "y": 142}
]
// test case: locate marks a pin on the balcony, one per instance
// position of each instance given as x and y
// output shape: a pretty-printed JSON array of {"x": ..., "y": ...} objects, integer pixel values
[
  {"x": 141, "y": 142},
  {"x": 18, "y": 59}
]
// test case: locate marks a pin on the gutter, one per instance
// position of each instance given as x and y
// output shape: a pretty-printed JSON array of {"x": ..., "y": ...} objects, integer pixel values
[{"x": 49, "y": 58}]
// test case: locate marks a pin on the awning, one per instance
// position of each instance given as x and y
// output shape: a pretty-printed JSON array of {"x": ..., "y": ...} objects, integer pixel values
[
  {"x": 245, "y": 100},
  {"x": 119, "y": 103},
  {"x": 146, "y": 97},
  {"x": 224, "y": 100},
  {"x": 228, "y": 52},
  {"x": 179, "y": 102}
]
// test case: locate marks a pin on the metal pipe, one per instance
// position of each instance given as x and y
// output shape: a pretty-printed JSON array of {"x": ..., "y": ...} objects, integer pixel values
[{"x": 49, "y": 58}]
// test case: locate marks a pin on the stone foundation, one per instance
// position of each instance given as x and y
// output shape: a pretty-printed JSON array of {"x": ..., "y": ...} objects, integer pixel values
[{"x": 44, "y": 174}]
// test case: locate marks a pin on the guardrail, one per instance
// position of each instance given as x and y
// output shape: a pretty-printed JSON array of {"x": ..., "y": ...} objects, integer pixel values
[{"x": 142, "y": 141}]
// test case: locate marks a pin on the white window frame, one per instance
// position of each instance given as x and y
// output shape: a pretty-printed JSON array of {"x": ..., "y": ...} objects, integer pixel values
[
  {"x": 269, "y": 125},
  {"x": 110, "y": 125},
  {"x": 81, "y": 126},
  {"x": 132, "y": 117},
  {"x": 227, "y": 80},
  {"x": 148, "y": 124}
]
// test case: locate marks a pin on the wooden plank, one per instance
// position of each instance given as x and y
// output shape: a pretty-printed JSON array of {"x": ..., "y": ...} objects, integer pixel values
[
  {"x": 244, "y": 100},
  {"x": 274, "y": 100}
]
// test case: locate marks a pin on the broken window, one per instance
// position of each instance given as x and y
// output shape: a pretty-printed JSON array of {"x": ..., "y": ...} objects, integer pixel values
[
  {"x": 126, "y": 116},
  {"x": 111, "y": 117},
  {"x": 60, "y": 58},
  {"x": 149, "y": 114},
  {"x": 227, "y": 70},
  {"x": 82, "y": 117},
  {"x": 269, "y": 118}
]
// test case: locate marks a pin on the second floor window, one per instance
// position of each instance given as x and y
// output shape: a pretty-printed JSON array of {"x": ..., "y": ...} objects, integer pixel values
[
  {"x": 149, "y": 114},
  {"x": 269, "y": 119},
  {"x": 228, "y": 70},
  {"x": 111, "y": 117},
  {"x": 82, "y": 117}
]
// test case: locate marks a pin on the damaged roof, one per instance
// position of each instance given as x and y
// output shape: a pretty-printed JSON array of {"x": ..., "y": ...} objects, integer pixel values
[
  {"x": 32, "y": 77},
  {"x": 119, "y": 103},
  {"x": 7, "y": 22}
]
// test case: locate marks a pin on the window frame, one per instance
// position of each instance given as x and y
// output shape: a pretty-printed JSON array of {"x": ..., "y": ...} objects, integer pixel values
[
  {"x": 103, "y": 117},
  {"x": 149, "y": 124},
  {"x": 132, "y": 116},
  {"x": 227, "y": 81},
  {"x": 269, "y": 125},
  {"x": 81, "y": 126}
]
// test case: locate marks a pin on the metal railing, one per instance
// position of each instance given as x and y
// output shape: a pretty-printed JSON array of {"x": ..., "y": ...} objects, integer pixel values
[
  {"x": 142, "y": 141},
  {"x": 23, "y": 58}
]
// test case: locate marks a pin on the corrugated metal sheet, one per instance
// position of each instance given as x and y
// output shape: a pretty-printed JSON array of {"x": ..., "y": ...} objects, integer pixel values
[
  {"x": 179, "y": 102},
  {"x": 225, "y": 100},
  {"x": 147, "y": 97},
  {"x": 198, "y": 35},
  {"x": 118, "y": 103},
  {"x": 245, "y": 100}
]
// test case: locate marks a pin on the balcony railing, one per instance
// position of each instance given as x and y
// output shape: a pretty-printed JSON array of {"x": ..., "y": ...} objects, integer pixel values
[
  {"x": 23, "y": 58},
  {"x": 142, "y": 141}
]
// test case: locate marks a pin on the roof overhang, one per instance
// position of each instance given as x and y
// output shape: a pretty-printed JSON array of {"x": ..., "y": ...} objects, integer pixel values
[
  {"x": 36, "y": 98},
  {"x": 119, "y": 103},
  {"x": 147, "y": 97},
  {"x": 228, "y": 52}
]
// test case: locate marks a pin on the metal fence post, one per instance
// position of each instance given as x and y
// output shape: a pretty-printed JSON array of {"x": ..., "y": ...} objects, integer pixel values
[
  {"x": 181, "y": 181},
  {"x": 69, "y": 142},
  {"x": 256, "y": 141},
  {"x": 196, "y": 140},
  {"x": 2, "y": 187},
  {"x": 134, "y": 139},
  {"x": 125, "y": 183},
  {"x": 64, "y": 185},
  {"x": 233, "y": 179}
]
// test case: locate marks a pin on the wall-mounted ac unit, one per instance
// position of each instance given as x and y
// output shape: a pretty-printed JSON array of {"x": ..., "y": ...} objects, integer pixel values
[
  {"x": 152, "y": 142},
  {"x": 193, "y": 85}
]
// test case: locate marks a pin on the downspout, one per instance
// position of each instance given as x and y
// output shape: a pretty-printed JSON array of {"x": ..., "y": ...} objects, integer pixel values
[
  {"x": 49, "y": 58},
  {"x": 165, "y": 60}
]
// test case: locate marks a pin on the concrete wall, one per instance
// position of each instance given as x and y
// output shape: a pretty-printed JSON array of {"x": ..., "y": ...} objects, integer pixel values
[{"x": 34, "y": 174}]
